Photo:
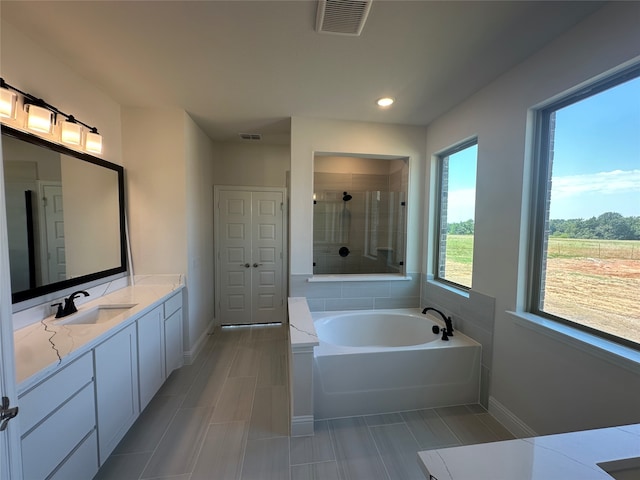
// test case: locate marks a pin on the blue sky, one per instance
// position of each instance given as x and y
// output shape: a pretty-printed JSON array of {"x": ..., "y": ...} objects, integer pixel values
[{"x": 596, "y": 165}]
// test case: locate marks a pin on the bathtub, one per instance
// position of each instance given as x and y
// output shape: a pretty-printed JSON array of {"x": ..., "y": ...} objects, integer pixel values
[{"x": 381, "y": 361}]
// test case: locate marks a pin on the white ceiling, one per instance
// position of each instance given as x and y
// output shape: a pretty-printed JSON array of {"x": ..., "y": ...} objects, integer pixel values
[{"x": 247, "y": 66}]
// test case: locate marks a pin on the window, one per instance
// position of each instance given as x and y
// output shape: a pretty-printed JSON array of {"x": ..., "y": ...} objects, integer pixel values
[
  {"x": 586, "y": 245},
  {"x": 457, "y": 200}
]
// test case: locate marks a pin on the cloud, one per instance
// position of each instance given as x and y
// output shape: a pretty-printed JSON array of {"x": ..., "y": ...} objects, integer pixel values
[{"x": 614, "y": 182}]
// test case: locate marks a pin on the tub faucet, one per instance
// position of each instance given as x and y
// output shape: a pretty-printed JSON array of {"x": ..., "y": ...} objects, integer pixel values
[
  {"x": 69, "y": 305},
  {"x": 447, "y": 320}
]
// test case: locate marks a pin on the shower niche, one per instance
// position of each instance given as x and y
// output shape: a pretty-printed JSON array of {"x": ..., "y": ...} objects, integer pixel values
[{"x": 359, "y": 214}]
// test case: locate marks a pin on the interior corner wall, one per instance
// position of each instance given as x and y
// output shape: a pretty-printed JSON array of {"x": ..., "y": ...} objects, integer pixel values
[
  {"x": 32, "y": 69},
  {"x": 153, "y": 145},
  {"x": 199, "y": 154},
  {"x": 310, "y": 135},
  {"x": 547, "y": 384},
  {"x": 259, "y": 165}
]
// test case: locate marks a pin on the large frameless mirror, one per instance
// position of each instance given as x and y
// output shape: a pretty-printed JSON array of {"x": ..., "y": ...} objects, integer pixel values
[
  {"x": 65, "y": 215},
  {"x": 359, "y": 214}
]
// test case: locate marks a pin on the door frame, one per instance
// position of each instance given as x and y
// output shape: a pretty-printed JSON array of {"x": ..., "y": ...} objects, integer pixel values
[{"x": 285, "y": 240}]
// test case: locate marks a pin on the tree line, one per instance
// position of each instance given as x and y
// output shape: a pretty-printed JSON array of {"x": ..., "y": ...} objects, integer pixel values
[{"x": 608, "y": 226}]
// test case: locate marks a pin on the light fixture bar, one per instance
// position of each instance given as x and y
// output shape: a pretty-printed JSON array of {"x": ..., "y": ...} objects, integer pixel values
[{"x": 41, "y": 118}]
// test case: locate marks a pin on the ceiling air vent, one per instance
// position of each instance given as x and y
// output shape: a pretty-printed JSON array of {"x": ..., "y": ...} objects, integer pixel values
[
  {"x": 250, "y": 136},
  {"x": 342, "y": 17}
]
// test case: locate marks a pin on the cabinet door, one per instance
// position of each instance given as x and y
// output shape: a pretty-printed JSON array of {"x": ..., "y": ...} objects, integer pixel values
[
  {"x": 173, "y": 341},
  {"x": 151, "y": 366},
  {"x": 116, "y": 388}
]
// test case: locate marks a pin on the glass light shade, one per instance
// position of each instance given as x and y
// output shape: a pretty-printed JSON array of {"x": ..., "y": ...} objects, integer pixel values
[
  {"x": 71, "y": 133},
  {"x": 39, "y": 119},
  {"x": 93, "y": 142},
  {"x": 8, "y": 100}
]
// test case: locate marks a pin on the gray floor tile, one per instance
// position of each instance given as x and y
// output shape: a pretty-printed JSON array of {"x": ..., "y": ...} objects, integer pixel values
[
  {"x": 146, "y": 433},
  {"x": 180, "y": 380},
  {"x": 356, "y": 453},
  {"x": 266, "y": 459},
  {"x": 177, "y": 452},
  {"x": 246, "y": 362},
  {"x": 399, "y": 451},
  {"x": 467, "y": 426},
  {"x": 496, "y": 427},
  {"x": 272, "y": 369},
  {"x": 429, "y": 429},
  {"x": 123, "y": 467},
  {"x": 207, "y": 385},
  {"x": 270, "y": 413},
  {"x": 476, "y": 408},
  {"x": 222, "y": 452},
  {"x": 314, "y": 448},
  {"x": 383, "y": 419},
  {"x": 315, "y": 471},
  {"x": 236, "y": 400}
]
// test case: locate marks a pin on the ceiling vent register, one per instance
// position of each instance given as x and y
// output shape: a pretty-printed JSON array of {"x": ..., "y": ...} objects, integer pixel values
[
  {"x": 342, "y": 17},
  {"x": 250, "y": 136}
]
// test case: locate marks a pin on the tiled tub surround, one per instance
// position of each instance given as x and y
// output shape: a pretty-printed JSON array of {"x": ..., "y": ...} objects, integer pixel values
[
  {"x": 352, "y": 292},
  {"x": 568, "y": 456},
  {"x": 376, "y": 379},
  {"x": 473, "y": 314},
  {"x": 44, "y": 346}
]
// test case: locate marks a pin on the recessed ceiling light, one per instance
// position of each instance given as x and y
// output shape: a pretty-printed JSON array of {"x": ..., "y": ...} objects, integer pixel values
[{"x": 385, "y": 102}]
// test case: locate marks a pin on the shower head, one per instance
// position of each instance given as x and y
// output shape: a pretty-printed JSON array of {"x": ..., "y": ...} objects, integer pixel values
[{"x": 346, "y": 197}]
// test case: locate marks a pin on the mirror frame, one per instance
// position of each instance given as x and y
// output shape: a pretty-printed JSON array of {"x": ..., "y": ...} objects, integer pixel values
[{"x": 23, "y": 295}]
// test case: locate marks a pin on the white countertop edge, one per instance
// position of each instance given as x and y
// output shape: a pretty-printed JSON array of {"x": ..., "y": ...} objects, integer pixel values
[
  {"x": 127, "y": 319},
  {"x": 301, "y": 328}
]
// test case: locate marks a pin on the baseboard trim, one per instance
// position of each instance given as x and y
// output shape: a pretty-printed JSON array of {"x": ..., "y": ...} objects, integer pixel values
[
  {"x": 302, "y": 425},
  {"x": 190, "y": 355},
  {"x": 510, "y": 421}
]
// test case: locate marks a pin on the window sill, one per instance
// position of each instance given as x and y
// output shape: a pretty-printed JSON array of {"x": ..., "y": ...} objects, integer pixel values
[
  {"x": 619, "y": 355},
  {"x": 365, "y": 277}
]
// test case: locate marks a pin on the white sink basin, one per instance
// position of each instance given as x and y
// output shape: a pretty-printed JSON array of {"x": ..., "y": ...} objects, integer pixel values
[
  {"x": 97, "y": 314},
  {"x": 625, "y": 469}
]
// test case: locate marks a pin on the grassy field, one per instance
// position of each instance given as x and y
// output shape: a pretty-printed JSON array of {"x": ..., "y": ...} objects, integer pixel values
[{"x": 593, "y": 282}]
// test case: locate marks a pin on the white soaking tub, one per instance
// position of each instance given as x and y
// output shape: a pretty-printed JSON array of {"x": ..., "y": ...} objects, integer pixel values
[{"x": 379, "y": 361}]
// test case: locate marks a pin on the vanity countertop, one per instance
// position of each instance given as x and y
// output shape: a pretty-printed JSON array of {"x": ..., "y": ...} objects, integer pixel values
[
  {"x": 44, "y": 346},
  {"x": 566, "y": 456}
]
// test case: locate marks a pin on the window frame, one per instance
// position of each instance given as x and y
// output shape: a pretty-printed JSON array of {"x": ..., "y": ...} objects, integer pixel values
[
  {"x": 458, "y": 147},
  {"x": 540, "y": 197}
]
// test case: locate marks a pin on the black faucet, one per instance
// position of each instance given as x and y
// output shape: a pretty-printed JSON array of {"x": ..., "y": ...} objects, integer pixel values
[
  {"x": 69, "y": 305},
  {"x": 447, "y": 321}
]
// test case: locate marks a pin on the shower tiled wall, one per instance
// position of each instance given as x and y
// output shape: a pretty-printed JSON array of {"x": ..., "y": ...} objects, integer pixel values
[
  {"x": 349, "y": 295},
  {"x": 473, "y": 316}
]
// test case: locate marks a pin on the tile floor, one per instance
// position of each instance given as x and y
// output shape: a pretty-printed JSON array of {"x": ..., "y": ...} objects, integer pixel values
[{"x": 226, "y": 416}]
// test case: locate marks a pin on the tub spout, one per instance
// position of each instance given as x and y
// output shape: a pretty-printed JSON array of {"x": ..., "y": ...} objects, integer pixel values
[{"x": 447, "y": 321}]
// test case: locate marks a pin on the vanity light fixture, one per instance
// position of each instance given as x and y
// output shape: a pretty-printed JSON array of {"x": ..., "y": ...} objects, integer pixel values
[
  {"x": 8, "y": 101},
  {"x": 70, "y": 131},
  {"x": 385, "y": 102},
  {"x": 93, "y": 141},
  {"x": 41, "y": 117}
]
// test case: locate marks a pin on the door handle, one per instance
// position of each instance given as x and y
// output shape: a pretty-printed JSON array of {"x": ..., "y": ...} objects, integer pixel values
[
  {"x": 245, "y": 265},
  {"x": 256, "y": 265}
]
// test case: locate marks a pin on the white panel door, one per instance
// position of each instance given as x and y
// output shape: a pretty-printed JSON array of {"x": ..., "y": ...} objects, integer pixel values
[
  {"x": 266, "y": 279},
  {"x": 54, "y": 228},
  {"x": 250, "y": 243}
]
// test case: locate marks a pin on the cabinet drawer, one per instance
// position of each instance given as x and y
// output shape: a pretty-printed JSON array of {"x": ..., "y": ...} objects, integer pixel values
[
  {"x": 48, "y": 395},
  {"x": 54, "y": 439},
  {"x": 173, "y": 304},
  {"x": 83, "y": 462}
]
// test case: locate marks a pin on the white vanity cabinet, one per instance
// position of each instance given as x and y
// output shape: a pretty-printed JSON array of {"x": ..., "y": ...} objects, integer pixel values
[
  {"x": 116, "y": 377},
  {"x": 58, "y": 424},
  {"x": 151, "y": 354},
  {"x": 173, "y": 332}
]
